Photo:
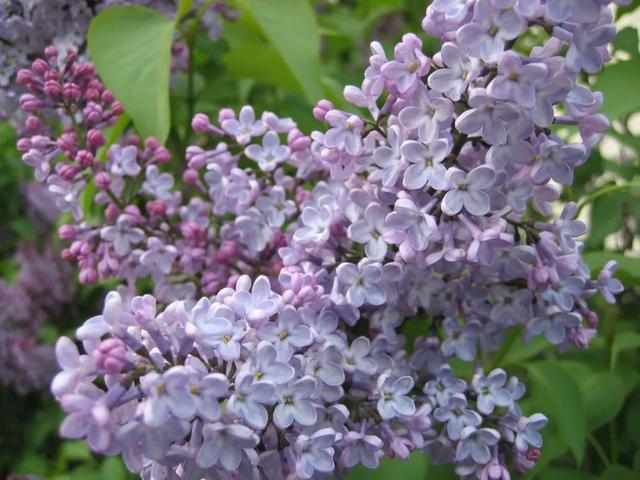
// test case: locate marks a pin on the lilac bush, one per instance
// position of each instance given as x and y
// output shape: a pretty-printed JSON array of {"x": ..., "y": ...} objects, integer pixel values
[{"x": 285, "y": 267}]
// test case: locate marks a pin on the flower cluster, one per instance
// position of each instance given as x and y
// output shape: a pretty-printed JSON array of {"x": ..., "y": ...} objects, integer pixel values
[
  {"x": 40, "y": 291},
  {"x": 254, "y": 382},
  {"x": 437, "y": 211}
]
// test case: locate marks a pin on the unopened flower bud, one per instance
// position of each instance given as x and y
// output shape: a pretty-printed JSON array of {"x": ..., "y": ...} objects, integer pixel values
[
  {"x": 321, "y": 109},
  {"x": 110, "y": 356},
  {"x": 103, "y": 180}
]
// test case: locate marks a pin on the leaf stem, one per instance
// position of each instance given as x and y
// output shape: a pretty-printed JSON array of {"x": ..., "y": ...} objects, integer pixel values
[{"x": 606, "y": 191}]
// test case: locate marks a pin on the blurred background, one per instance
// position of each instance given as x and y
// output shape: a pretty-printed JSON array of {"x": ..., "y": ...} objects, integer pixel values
[{"x": 592, "y": 397}]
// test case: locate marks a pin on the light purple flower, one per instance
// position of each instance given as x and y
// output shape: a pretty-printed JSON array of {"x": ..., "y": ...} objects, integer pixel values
[
  {"x": 158, "y": 184},
  {"x": 123, "y": 235},
  {"x": 394, "y": 400},
  {"x": 415, "y": 223},
  {"x": 462, "y": 339},
  {"x": 168, "y": 395},
  {"x": 245, "y": 126},
  {"x": 491, "y": 390},
  {"x": 265, "y": 367},
  {"x": 516, "y": 80},
  {"x": 460, "y": 70},
  {"x": 357, "y": 357},
  {"x": 527, "y": 432},
  {"x": 361, "y": 448},
  {"x": 249, "y": 399},
  {"x": 124, "y": 160},
  {"x": 363, "y": 282},
  {"x": 389, "y": 158},
  {"x": 345, "y": 132},
  {"x": 315, "y": 453},
  {"x": 476, "y": 444},
  {"x": 287, "y": 335},
  {"x": 369, "y": 231},
  {"x": 578, "y": 10},
  {"x": 457, "y": 415},
  {"x": 225, "y": 444},
  {"x": 426, "y": 113},
  {"x": 487, "y": 117},
  {"x": 607, "y": 285},
  {"x": 469, "y": 191},
  {"x": 409, "y": 64},
  {"x": 295, "y": 402},
  {"x": 557, "y": 161},
  {"x": 270, "y": 153},
  {"x": 426, "y": 164}
]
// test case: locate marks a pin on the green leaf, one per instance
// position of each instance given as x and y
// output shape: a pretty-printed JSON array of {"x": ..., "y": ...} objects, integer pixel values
[
  {"x": 113, "y": 469},
  {"x": 183, "y": 8},
  {"x": 617, "y": 472},
  {"x": 606, "y": 218},
  {"x": 618, "y": 82},
  {"x": 566, "y": 408},
  {"x": 131, "y": 48},
  {"x": 290, "y": 26},
  {"x": 627, "y": 40},
  {"x": 597, "y": 260},
  {"x": 603, "y": 395},
  {"x": 553, "y": 473},
  {"x": 415, "y": 467},
  {"x": 623, "y": 341}
]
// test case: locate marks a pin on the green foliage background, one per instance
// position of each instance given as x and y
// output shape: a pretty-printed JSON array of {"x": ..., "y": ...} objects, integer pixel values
[{"x": 282, "y": 55}]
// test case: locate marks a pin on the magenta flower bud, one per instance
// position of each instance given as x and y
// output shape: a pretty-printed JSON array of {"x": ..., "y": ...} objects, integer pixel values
[
  {"x": 33, "y": 123},
  {"x": 67, "y": 232},
  {"x": 24, "y": 76},
  {"x": 302, "y": 195},
  {"x": 51, "y": 52},
  {"x": 117, "y": 108},
  {"x": 39, "y": 66},
  {"x": 321, "y": 109},
  {"x": 93, "y": 112},
  {"x": 53, "y": 89},
  {"x": 191, "y": 177},
  {"x": 162, "y": 155},
  {"x": 88, "y": 276},
  {"x": 110, "y": 356},
  {"x": 200, "y": 123},
  {"x": 133, "y": 214},
  {"x": 226, "y": 114},
  {"x": 495, "y": 471},
  {"x": 23, "y": 145},
  {"x": 228, "y": 251},
  {"x": 103, "y": 180},
  {"x": 107, "y": 96},
  {"x": 297, "y": 141},
  {"x": 157, "y": 208},
  {"x": 29, "y": 103},
  {"x": 71, "y": 91},
  {"x": 76, "y": 248},
  {"x": 92, "y": 94},
  {"x": 152, "y": 143},
  {"x": 68, "y": 255},
  {"x": 67, "y": 172},
  {"x": 193, "y": 232},
  {"x": 95, "y": 138},
  {"x": 84, "y": 158},
  {"x": 133, "y": 140},
  {"x": 111, "y": 213},
  {"x": 67, "y": 141},
  {"x": 51, "y": 75}
]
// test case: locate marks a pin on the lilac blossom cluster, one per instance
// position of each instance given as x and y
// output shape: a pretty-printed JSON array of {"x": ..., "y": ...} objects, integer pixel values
[
  {"x": 40, "y": 292},
  {"x": 437, "y": 210},
  {"x": 27, "y": 27}
]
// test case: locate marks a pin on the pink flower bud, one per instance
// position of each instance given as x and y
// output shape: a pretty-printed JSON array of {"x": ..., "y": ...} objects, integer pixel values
[
  {"x": 157, "y": 208},
  {"x": 67, "y": 172},
  {"x": 95, "y": 138},
  {"x": 67, "y": 141},
  {"x": 297, "y": 140},
  {"x": 67, "y": 232},
  {"x": 39, "y": 66},
  {"x": 226, "y": 114},
  {"x": 302, "y": 195},
  {"x": 33, "y": 123},
  {"x": 51, "y": 52},
  {"x": 88, "y": 276},
  {"x": 23, "y": 145},
  {"x": 152, "y": 143},
  {"x": 29, "y": 103},
  {"x": 53, "y": 89},
  {"x": 191, "y": 177},
  {"x": 200, "y": 123},
  {"x": 228, "y": 251},
  {"x": 110, "y": 356},
  {"x": 84, "y": 158},
  {"x": 93, "y": 112},
  {"x": 24, "y": 76},
  {"x": 68, "y": 255},
  {"x": 92, "y": 94},
  {"x": 133, "y": 140},
  {"x": 162, "y": 155},
  {"x": 107, "y": 96},
  {"x": 321, "y": 109},
  {"x": 193, "y": 232},
  {"x": 103, "y": 180},
  {"x": 133, "y": 213},
  {"x": 71, "y": 91},
  {"x": 111, "y": 213},
  {"x": 117, "y": 108}
]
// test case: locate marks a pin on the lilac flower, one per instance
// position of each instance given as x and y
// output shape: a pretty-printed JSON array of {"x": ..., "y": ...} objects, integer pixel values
[
  {"x": 168, "y": 395},
  {"x": 460, "y": 70},
  {"x": 270, "y": 154},
  {"x": 426, "y": 113},
  {"x": 527, "y": 432},
  {"x": 295, "y": 402},
  {"x": 245, "y": 127},
  {"x": 205, "y": 394},
  {"x": 287, "y": 334},
  {"x": 582, "y": 11},
  {"x": 275, "y": 206},
  {"x": 74, "y": 367},
  {"x": 554, "y": 325},
  {"x": 409, "y": 65},
  {"x": 361, "y": 448},
  {"x": 457, "y": 415},
  {"x": 345, "y": 132},
  {"x": 266, "y": 368},
  {"x": 491, "y": 391},
  {"x": 88, "y": 416},
  {"x": 124, "y": 160},
  {"x": 256, "y": 305},
  {"x": 389, "y": 158},
  {"x": 548, "y": 94},
  {"x": 454, "y": 10},
  {"x": 416, "y": 224},
  {"x": 516, "y": 149},
  {"x": 369, "y": 231},
  {"x": 607, "y": 285},
  {"x": 158, "y": 184},
  {"x": 485, "y": 37},
  {"x": 393, "y": 397},
  {"x": 516, "y": 80},
  {"x": 476, "y": 444},
  {"x": 122, "y": 235},
  {"x": 462, "y": 340},
  {"x": 249, "y": 399},
  {"x": 588, "y": 48},
  {"x": 225, "y": 444},
  {"x": 363, "y": 282},
  {"x": 357, "y": 357},
  {"x": 557, "y": 161},
  {"x": 487, "y": 117},
  {"x": 426, "y": 164},
  {"x": 315, "y": 453},
  {"x": 317, "y": 224},
  {"x": 469, "y": 191},
  {"x": 214, "y": 325}
]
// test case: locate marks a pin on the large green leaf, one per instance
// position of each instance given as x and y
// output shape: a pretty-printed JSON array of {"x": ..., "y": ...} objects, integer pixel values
[
  {"x": 623, "y": 341},
  {"x": 290, "y": 26},
  {"x": 619, "y": 83},
  {"x": 603, "y": 395},
  {"x": 629, "y": 265},
  {"x": 131, "y": 48},
  {"x": 415, "y": 467},
  {"x": 566, "y": 408}
]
